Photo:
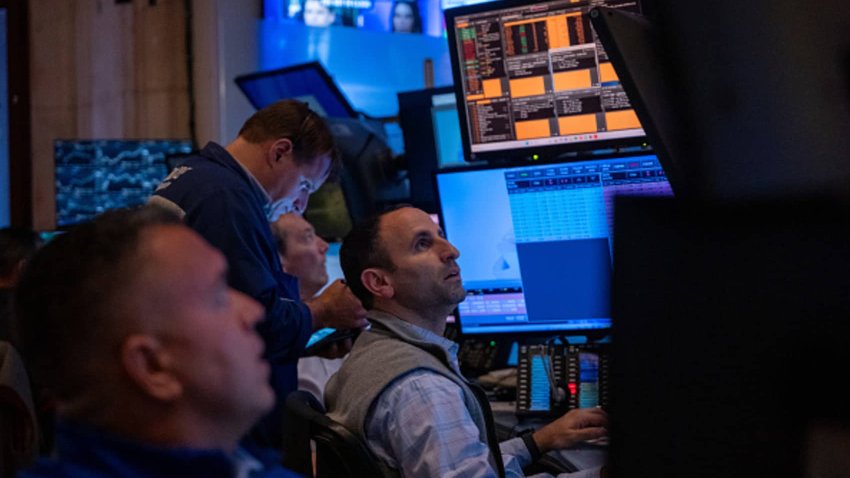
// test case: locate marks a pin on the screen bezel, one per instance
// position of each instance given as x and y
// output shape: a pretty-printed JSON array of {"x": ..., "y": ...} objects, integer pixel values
[
  {"x": 546, "y": 153},
  {"x": 591, "y": 334},
  {"x": 630, "y": 40}
]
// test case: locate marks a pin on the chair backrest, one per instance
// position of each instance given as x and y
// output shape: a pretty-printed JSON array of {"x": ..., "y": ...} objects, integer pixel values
[
  {"x": 339, "y": 452},
  {"x": 18, "y": 426}
]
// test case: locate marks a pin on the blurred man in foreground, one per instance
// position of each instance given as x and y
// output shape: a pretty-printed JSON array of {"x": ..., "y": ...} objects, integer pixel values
[{"x": 152, "y": 357}]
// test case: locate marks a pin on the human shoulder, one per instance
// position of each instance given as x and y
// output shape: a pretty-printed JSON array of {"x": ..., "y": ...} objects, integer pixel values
[
  {"x": 210, "y": 168},
  {"x": 419, "y": 387}
]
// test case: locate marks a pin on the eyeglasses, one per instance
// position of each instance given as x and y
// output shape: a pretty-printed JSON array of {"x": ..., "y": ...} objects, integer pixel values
[{"x": 307, "y": 185}]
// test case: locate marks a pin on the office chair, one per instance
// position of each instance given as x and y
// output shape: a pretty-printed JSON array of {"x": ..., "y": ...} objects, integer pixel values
[
  {"x": 339, "y": 453},
  {"x": 18, "y": 426}
]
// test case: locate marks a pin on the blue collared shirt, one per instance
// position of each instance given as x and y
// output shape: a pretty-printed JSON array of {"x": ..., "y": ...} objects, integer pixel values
[
  {"x": 83, "y": 452},
  {"x": 219, "y": 199}
]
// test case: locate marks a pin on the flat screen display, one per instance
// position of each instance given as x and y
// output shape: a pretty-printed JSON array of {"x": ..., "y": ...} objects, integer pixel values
[
  {"x": 307, "y": 82},
  {"x": 391, "y": 16},
  {"x": 535, "y": 241},
  {"x": 533, "y": 79},
  {"x": 93, "y": 176}
]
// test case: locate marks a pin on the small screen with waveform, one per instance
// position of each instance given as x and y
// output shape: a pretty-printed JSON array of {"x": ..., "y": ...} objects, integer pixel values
[
  {"x": 534, "y": 79},
  {"x": 93, "y": 176}
]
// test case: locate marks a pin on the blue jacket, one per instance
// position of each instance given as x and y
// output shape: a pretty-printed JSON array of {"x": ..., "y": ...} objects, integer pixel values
[
  {"x": 222, "y": 202},
  {"x": 87, "y": 453}
]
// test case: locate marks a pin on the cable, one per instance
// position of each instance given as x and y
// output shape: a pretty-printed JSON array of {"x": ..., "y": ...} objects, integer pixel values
[{"x": 558, "y": 394}]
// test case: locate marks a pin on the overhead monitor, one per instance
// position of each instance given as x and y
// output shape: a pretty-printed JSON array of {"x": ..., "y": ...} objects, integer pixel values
[
  {"x": 535, "y": 240},
  {"x": 534, "y": 81},
  {"x": 413, "y": 16},
  {"x": 307, "y": 82},
  {"x": 431, "y": 130},
  {"x": 630, "y": 39},
  {"x": 93, "y": 176},
  {"x": 727, "y": 96}
]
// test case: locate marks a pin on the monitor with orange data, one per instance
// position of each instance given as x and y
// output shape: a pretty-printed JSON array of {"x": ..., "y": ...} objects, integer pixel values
[{"x": 532, "y": 80}]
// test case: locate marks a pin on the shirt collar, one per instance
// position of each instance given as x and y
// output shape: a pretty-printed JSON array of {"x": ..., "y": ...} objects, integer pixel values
[
  {"x": 421, "y": 334},
  {"x": 255, "y": 181}
]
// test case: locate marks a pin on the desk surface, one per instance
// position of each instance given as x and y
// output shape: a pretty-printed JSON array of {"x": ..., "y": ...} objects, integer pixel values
[{"x": 580, "y": 457}]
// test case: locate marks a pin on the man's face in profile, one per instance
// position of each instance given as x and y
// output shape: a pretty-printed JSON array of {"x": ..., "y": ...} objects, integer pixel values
[
  {"x": 205, "y": 327},
  {"x": 305, "y": 252},
  {"x": 425, "y": 275}
]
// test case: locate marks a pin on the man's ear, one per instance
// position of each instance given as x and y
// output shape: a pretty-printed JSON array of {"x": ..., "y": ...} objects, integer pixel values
[
  {"x": 149, "y": 366},
  {"x": 377, "y": 282},
  {"x": 278, "y": 151}
]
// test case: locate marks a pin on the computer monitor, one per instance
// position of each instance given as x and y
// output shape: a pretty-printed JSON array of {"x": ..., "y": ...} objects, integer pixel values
[
  {"x": 631, "y": 41},
  {"x": 732, "y": 318},
  {"x": 431, "y": 129},
  {"x": 534, "y": 81},
  {"x": 729, "y": 93},
  {"x": 535, "y": 240},
  {"x": 93, "y": 176},
  {"x": 308, "y": 82}
]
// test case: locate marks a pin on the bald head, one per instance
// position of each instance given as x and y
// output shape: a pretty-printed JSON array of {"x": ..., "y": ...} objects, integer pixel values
[{"x": 302, "y": 252}]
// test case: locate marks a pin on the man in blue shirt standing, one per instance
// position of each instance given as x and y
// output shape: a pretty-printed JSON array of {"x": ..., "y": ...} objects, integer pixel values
[
  {"x": 283, "y": 153},
  {"x": 152, "y": 358}
]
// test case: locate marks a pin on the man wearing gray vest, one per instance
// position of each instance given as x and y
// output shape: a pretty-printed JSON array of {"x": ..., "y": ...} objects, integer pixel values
[{"x": 401, "y": 388}]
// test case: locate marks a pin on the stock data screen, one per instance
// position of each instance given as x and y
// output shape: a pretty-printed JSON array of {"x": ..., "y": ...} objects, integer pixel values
[{"x": 536, "y": 75}]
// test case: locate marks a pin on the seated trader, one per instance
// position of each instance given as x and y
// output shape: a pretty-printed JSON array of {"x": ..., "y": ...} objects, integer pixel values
[
  {"x": 303, "y": 254},
  {"x": 153, "y": 359},
  {"x": 401, "y": 388},
  {"x": 283, "y": 153}
]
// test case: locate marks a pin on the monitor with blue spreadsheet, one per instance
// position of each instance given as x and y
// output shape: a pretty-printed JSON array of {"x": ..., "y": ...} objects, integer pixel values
[{"x": 535, "y": 240}]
